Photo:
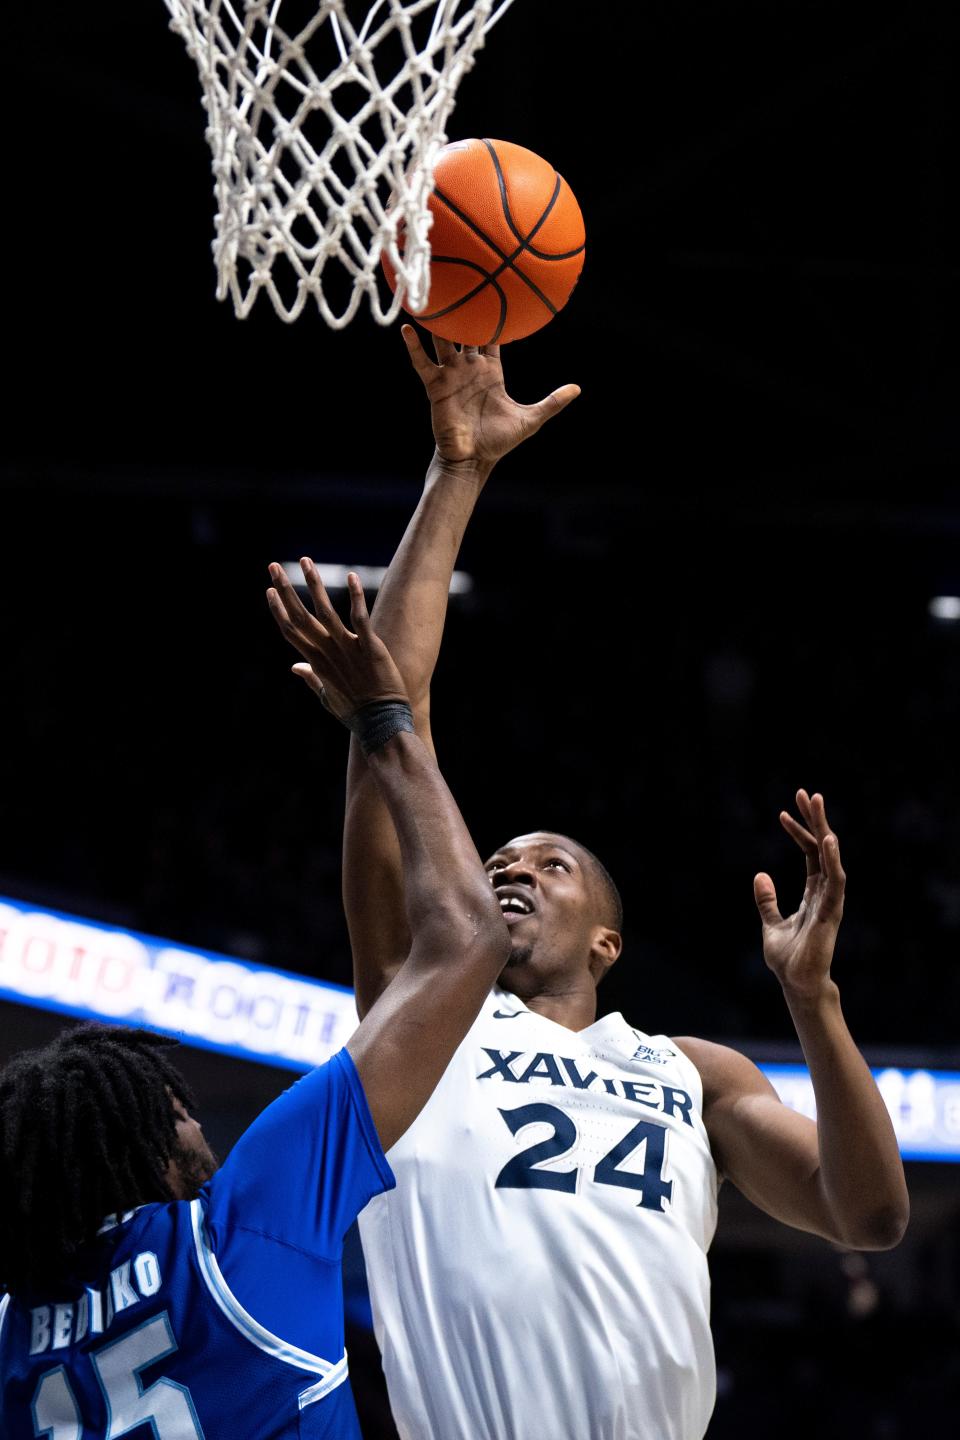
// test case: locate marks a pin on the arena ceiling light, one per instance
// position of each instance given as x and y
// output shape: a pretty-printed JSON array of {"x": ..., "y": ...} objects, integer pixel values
[
  {"x": 945, "y": 607},
  {"x": 334, "y": 577}
]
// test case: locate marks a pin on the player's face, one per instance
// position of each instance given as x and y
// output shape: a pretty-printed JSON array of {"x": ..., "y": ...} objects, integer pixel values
[
  {"x": 549, "y": 900},
  {"x": 192, "y": 1162}
]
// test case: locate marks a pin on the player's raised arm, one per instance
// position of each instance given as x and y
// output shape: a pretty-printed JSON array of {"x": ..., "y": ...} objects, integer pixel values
[
  {"x": 459, "y": 941},
  {"x": 475, "y": 423},
  {"x": 841, "y": 1177}
]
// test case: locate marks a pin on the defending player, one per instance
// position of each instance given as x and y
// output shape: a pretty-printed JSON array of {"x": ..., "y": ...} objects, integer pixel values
[
  {"x": 152, "y": 1292},
  {"x": 541, "y": 1267}
]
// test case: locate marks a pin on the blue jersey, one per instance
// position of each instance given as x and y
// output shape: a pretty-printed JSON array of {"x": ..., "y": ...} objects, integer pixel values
[{"x": 219, "y": 1318}]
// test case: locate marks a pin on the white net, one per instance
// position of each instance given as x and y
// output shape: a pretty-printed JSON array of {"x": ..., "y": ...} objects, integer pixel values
[{"x": 325, "y": 130}]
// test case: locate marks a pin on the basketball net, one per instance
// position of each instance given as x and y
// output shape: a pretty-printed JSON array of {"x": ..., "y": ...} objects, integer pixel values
[{"x": 324, "y": 137}]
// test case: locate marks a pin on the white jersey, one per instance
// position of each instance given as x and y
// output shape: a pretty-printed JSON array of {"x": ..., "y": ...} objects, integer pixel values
[{"x": 541, "y": 1267}]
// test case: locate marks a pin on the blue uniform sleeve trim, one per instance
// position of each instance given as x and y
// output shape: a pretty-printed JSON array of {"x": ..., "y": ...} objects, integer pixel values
[
  {"x": 323, "y": 1387},
  {"x": 331, "y": 1375},
  {"x": 361, "y": 1109}
]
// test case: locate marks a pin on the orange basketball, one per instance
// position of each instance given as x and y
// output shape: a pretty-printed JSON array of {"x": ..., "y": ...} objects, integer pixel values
[{"x": 507, "y": 244}]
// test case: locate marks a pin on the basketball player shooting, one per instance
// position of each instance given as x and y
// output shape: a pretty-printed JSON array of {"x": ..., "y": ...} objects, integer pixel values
[
  {"x": 149, "y": 1291},
  {"x": 541, "y": 1267}
]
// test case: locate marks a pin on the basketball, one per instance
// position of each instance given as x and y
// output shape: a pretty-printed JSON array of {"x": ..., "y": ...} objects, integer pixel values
[{"x": 507, "y": 244}]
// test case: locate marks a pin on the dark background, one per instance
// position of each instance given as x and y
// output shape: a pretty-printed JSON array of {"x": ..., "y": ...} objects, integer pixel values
[{"x": 704, "y": 585}]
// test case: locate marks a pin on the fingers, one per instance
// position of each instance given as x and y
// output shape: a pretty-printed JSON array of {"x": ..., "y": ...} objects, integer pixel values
[
  {"x": 305, "y": 632},
  {"x": 555, "y": 402},
  {"x": 821, "y": 849},
  {"x": 291, "y": 632},
  {"x": 330, "y": 698},
  {"x": 811, "y": 808},
  {"x": 804, "y": 839},
  {"x": 803, "y": 804},
  {"x": 564, "y": 396},
  {"x": 765, "y": 894},
  {"x": 318, "y": 594},
  {"x": 814, "y": 813},
  {"x": 359, "y": 615},
  {"x": 296, "y": 612},
  {"x": 279, "y": 613},
  {"x": 831, "y": 906},
  {"x": 445, "y": 350},
  {"x": 313, "y": 681},
  {"x": 419, "y": 358}
]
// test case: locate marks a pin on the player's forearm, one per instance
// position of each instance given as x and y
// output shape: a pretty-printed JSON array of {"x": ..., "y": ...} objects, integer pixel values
[
  {"x": 861, "y": 1173},
  {"x": 411, "y": 607},
  {"x": 409, "y": 615},
  {"x": 445, "y": 888}
]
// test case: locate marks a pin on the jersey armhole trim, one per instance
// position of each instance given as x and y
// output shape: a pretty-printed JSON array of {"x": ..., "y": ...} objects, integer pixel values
[
  {"x": 323, "y": 1387},
  {"x": 331, "y": 1374},
  {"x": 4, "y": 1307},
  {"x": 692, "y": 1069}
]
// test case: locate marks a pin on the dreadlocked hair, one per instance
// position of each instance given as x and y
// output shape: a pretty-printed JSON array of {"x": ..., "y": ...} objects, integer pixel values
[{"x": 87, "y": 1129}]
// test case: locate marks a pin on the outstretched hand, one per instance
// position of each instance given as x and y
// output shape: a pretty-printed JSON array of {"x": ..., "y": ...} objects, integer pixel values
[
  {"x": 799, "y": 948},
  {"x": 474, "y": 419},
  {"x": 346, "y": 669}
]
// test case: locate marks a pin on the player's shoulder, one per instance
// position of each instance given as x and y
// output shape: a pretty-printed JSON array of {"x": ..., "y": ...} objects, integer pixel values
[
  {"x": 724, "y": 1072},
  {"x": 156, "y": 1224}
]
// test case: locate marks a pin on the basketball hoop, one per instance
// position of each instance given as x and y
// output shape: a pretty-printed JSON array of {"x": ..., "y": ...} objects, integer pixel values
[{"x": 324, "y": 135}]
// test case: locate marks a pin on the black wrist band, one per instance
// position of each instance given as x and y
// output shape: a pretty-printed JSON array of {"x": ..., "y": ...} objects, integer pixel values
[{"x": 376, "y": 723}]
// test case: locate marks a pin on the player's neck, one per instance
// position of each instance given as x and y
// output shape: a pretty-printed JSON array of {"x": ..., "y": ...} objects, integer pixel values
[{"x": 575, "y": 1009}]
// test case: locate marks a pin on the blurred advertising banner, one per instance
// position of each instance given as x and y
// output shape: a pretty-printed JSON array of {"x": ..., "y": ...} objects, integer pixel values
[
  {"x": 924, "y": 1105},
  {"x": 101, "y": 972}
]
